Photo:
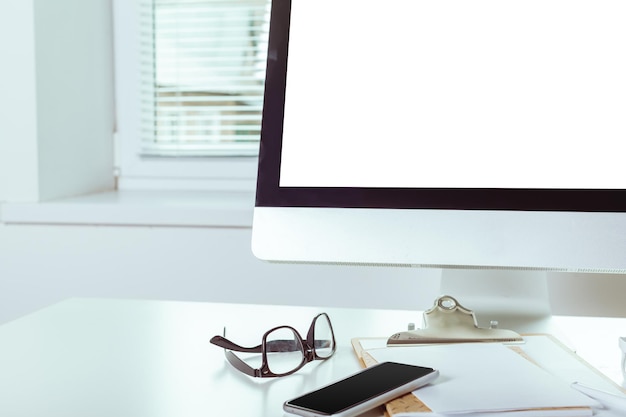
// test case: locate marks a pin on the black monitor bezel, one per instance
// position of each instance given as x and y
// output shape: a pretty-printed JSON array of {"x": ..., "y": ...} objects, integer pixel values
[{"x": 270, "y": 194}]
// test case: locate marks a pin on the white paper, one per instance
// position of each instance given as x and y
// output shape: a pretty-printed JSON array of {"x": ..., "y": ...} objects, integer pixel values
[
  {"x": 484, "y": 377},
  {"x": 368, "y": 344}
]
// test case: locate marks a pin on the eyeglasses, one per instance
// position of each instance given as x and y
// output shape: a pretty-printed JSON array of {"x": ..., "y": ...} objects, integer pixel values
[{"x": 283, "y": 351}]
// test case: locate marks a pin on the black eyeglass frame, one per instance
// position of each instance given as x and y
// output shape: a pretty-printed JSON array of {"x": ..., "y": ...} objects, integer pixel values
[{"x": 306, "y": 346}]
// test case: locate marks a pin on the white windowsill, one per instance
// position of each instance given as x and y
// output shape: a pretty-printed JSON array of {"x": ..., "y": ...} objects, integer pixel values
[{"x": 138, "y": 208}]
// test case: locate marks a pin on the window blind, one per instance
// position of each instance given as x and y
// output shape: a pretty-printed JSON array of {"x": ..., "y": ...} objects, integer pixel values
[{"x": 202, "y": 76}]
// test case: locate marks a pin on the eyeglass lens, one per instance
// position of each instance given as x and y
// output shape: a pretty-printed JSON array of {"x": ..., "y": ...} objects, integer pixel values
[
  {"x": 285, "y": 352},
  {"x": 323, "y": 335}
]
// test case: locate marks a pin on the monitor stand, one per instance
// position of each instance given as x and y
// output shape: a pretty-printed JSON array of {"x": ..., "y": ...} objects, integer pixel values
[{"x": 508, "y": 299}]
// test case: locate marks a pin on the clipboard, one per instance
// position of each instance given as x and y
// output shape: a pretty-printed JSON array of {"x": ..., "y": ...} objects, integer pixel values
[
  {"x": 410, "y": 403},
  {"x": 446, "y": 334}
]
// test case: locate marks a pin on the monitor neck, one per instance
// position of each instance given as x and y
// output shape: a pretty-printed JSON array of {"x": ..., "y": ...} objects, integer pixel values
[{"x": 515, "y": 299}]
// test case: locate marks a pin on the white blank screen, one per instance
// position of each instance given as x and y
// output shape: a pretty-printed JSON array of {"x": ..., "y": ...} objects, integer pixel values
[{"x": 472, "y": 93}]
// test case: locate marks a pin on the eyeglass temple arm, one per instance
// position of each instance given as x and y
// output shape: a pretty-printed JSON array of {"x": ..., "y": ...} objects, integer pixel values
[
  {"x": 272, "y": 345},
  {"x": 240, "y": 364},
  {"x": 227, "y": 344},
  {"x": 292, "y": 345}
]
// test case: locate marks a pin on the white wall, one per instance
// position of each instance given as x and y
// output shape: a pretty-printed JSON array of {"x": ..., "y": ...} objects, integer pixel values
[
  {"x": 74, "y": 79},
  {"x": 56, "y": 85},
  {"x": 41, "y": 265},
  {"x": 44, "y": 264},
  {"x": 18, "y": 102}
]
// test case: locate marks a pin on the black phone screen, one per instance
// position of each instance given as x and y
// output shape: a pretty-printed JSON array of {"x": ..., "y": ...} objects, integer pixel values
[{"x": 360, "y": 387}]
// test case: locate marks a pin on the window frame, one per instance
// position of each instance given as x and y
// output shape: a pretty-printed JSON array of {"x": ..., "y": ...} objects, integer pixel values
[{"x": 135, "y": 171}]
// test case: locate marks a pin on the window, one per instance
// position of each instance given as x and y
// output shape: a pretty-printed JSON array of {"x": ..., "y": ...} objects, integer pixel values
[
  {"x": 189, "y": 85},
  {"x": 203, "y": 69}
]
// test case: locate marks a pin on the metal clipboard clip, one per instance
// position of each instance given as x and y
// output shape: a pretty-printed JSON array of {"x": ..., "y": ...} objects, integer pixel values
[{"x": 449, "y": 322}]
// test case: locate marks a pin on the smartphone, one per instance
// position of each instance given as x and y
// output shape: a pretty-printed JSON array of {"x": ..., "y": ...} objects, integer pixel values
[{"x": 369, "y": 388}]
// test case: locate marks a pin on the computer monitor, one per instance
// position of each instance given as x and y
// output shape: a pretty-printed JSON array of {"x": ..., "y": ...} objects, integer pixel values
[{"x": 483, "y": 137}]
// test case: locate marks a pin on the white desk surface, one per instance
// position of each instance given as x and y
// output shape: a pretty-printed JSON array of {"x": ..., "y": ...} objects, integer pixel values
[{"x": 128, "y": 358}]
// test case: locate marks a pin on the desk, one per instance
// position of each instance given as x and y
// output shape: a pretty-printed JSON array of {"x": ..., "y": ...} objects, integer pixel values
[{"x": 126, "y": 358}]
